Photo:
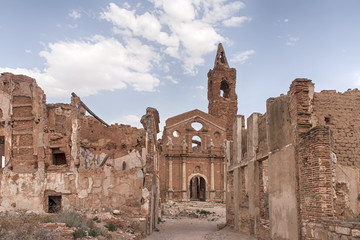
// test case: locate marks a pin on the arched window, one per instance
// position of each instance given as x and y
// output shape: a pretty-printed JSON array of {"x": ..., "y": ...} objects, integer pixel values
[
  {"x": 224, "y": 89},
  {"x": 196, "y": 143}
]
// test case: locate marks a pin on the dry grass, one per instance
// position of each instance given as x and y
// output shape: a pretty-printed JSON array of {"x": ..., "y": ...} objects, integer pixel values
[
  {"x": 16, "y": 225},
  {"x": 21, "y": 226}
]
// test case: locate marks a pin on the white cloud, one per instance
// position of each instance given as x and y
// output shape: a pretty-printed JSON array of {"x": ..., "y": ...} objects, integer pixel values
[
  {"x": 286, "y": 20},
  {"x": 200, "y": 87},
  {"x": 290, "y": 41},
  {"x": 75, "y": 14},
  {"x": 173, "y": 80},
  {"x": 180, "y": 31},
  {"x": 132, "y": 120},
  {"x": 236, "y": 21},
  {"x": 99, "y": 63},
  {"x": 72, "y": 26},
  {"x": 243, "y": 56},
  {"x": 126, "y": 5},
  {"x": 28, "y": 51},
  {"x": 184, "y": 29}
]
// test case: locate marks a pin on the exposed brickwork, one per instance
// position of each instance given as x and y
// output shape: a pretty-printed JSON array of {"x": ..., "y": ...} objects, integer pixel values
[
  {"x": 307, "y": 145},
  {"x": 221, "y": 91},
  {"x": 340, "y": 111},
  {"x": 55, "y": 150},
  {"x": 316, "y": 175}
]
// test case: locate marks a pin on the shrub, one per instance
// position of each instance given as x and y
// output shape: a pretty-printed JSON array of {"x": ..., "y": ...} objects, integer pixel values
[
  {"x": 111, "y": 227},
  {"x": 204, "y": 212},
  {"x": 72, "y": 219},
  {"x": 94, "y": 232},
  {"x": 79, "y": 233}
]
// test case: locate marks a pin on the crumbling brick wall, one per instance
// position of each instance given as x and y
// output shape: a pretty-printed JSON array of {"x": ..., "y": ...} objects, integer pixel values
[
  {"x": 310, "y": 175},
  {"x": 55, "y": 154},
  {"x": 340, "y": 112}
]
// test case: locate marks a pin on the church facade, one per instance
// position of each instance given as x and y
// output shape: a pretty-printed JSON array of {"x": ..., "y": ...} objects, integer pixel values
[{"x": 192, "y": 162}]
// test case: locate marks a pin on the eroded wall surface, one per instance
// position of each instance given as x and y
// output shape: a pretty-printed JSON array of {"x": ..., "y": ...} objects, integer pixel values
[
  {"x": 300, "y": 162},
  {"x": 57, "y": 157}
]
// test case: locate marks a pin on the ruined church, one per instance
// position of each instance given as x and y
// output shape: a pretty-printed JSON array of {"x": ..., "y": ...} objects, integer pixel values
[
  {"x": 192, "y": 162},
  {"x": 290, "y": 173}
]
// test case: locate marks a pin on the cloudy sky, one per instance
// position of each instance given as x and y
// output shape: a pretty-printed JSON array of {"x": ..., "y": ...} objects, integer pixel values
[{"x": 123, "y": 56}]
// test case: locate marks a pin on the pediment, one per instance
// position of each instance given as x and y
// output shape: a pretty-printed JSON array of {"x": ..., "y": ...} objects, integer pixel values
[{"x": 195, "y": 115}]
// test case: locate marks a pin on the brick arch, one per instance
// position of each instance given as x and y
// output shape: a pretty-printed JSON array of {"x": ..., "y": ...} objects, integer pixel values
[{"x": 206, "y": 190}]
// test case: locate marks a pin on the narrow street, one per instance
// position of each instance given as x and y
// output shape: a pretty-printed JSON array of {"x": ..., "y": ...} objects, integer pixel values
[{"x": 195, "y": 221}]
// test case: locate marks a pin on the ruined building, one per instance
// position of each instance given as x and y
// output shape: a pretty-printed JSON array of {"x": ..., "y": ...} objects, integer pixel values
[
  {"x": 55, "y": 157},
  {"x": 294, "y": 172},
  {"x": 192, "y": 160}
]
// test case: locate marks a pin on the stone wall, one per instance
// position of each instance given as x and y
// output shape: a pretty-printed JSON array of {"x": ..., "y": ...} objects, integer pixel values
[
  {"x": 56, "y": 157},
  {"x": 301, "y": 164}
]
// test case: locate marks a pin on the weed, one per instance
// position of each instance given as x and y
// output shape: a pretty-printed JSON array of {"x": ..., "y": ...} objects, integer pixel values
[
  {"x": 160, "y": 220},
  {"x": 204, "y": 212},
  {"x": 111, "y": 227},
  {"x": 94, "y": 232},
  {"x": 79, "y": 233},
  {"x": 72, "y": 219}
]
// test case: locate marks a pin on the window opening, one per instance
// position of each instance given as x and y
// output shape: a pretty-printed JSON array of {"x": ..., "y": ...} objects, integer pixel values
[
  {"x": 54, "y": 204},
  {"x": 196, "y": 125},
  {"x": 222, "y": 58},
  {"x": 124, "y": 165},
  {"x": 196, "y": 143},
  {"x": 2, "y": 151},
  {"x": 327, "y": 119},
  {"x": 224, "y": 89},
  {"x": 58, "y": 157},
  {"x": 176, "y": 133}
]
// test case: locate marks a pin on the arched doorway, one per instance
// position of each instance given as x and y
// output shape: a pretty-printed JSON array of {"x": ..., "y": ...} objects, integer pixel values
[{"x": 197, "y": 189}]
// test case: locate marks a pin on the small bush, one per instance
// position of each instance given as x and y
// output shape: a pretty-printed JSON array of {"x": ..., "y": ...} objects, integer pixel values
[
  {"x": 111, "y": 227},
  {"x": 79, "y": 233},
  {"x": 203, "y": 212},
  {"x": 72, "y": 219},
  {"x": 94, "y": 232}
]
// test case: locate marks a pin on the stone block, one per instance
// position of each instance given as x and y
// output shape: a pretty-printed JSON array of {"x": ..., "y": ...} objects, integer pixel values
[
  {"x": 355, "y": 233},
  {"x": 342, "y": 230}
]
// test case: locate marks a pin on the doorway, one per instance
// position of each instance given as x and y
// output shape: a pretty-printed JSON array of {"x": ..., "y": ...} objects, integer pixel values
[{"x": 197, "y": 189}]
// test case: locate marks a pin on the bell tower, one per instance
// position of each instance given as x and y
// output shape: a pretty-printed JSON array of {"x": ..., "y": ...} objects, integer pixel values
[{"x": 221, "y": 91}]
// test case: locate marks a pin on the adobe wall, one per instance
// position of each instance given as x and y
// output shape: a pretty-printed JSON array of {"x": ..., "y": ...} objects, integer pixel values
[
  {"x": 300, "y": 162},
  {"x": 56, "y": 150}
]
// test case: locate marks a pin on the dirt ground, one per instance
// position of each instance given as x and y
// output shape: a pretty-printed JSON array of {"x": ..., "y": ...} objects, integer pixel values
[{"x": 195, "y": 221}]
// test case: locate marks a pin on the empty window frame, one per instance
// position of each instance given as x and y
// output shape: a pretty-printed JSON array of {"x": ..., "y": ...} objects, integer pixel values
[
  {"x": 54, "y": 204},
  {"x": 58, "y": 157}
]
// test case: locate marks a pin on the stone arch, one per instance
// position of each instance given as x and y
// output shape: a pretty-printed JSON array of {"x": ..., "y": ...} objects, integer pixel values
[
  {"x": 224, "y": 89},
  {"x": 197, "y": 187}
]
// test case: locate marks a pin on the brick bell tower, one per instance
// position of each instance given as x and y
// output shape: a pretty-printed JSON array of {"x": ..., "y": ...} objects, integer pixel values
[{"x": 221, "y": 91}]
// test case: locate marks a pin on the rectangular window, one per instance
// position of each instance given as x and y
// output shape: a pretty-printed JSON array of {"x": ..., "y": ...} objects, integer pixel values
[
  {"x": 54, "y": 204},
  {"x": 58, "y": 157}
]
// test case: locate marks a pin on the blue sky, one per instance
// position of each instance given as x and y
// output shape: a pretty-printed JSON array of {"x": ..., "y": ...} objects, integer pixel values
[{"x": 123, "y": 56}]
